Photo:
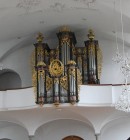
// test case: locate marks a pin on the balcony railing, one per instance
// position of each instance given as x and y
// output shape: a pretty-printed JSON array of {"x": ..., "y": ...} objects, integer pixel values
[{"x": 90, "y": 95}]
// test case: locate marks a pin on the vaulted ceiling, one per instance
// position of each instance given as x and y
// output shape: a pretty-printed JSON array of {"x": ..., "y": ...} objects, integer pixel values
[{"x": 19, "y": 19}]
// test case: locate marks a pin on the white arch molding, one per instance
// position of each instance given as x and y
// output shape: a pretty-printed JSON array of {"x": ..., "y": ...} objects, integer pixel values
[
  {"x": 62, "y": 128},
  {"x": 116, "y": 129},
  {"x": 12, "y": 131}
]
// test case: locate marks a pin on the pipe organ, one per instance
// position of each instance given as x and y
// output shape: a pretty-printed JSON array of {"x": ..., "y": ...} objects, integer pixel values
[{"x": 57, "y": 73}]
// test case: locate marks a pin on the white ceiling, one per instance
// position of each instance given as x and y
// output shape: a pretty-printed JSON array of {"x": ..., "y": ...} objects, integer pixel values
[
  {"x": 21, "y": 21},
  {"x": 32, "y": 119},
  {"x": 18, "y": 20}
]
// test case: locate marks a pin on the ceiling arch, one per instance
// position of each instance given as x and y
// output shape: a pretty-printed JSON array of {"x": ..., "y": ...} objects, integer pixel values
[
  {"x": 8, "y": 122},
  {"x": 48, "y": 16},
  {"x": 114, "y": 117},
  {"x": 68, "y": 124},
  {"x": 86, "y": 123}
]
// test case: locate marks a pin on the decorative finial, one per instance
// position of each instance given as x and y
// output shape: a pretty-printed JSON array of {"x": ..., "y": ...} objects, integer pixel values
[
  {"x": 91, "y": 34},
  {"x": 40, "y": 37},
  {"x": 64, "y": 29},
  {"x": 71, "y": 62}
]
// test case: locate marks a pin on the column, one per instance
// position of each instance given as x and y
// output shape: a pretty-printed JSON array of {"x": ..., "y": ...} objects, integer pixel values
[
  {"x": 31, "y": 137},
  {"x": 97, "y": 136}
]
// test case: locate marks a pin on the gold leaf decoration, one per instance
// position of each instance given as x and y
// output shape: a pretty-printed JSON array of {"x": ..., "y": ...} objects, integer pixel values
[
  {"x": 64, "y": 82},
  {"x": 100, "y": 60},
  {"x": 56, "y": 68},
  {"x": 49, "y": 83}
]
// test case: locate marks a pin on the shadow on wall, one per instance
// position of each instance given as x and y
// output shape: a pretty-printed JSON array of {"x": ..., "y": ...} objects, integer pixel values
[{"x": 9, "y": 80}]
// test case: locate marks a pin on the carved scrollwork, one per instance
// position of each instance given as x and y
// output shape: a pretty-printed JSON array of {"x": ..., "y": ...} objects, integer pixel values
[
  {"x": 64, "y": 82},
  {"x": 34, "y": 83},
  {"x": 100, "y": 59},
  {"x": 49, "y": 83},
  {"x": 56, "y": 68}
]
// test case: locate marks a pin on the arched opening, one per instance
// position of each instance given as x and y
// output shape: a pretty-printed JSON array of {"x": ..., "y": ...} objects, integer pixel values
[
  {"x": 12, "y": 131},
  {"x": 62, "y": 128},
  {"x": 72, "y": 138},
  {"x": 9, "y": 80},
  {"x": 117, "y": 126}
]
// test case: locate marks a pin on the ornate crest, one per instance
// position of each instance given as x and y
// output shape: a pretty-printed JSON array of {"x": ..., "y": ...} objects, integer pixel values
[{"x": 56, "y": 68}]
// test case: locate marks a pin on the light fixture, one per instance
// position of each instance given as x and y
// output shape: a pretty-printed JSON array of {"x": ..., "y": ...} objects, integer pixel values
[
  {"x": 58, "y": 72},
  {"x": 123, "y": 103}
]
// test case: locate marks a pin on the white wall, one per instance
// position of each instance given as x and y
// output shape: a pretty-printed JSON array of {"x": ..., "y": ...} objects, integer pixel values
[
  {"x": 59, "y": 129},
  {"x": 116, "y": 130},
  {"x": 111, "y": 73}
]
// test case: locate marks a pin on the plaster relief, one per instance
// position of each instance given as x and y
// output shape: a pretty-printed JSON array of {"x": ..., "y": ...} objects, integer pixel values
[
  {"x": 58, "y": 7},
  {"x": 28, "y": 4},
  {"x": 89, "y": 3}
]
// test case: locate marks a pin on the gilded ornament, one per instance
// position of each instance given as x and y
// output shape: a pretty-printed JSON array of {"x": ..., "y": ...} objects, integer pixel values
[
  {"x": 99, "y": 61},
  {"x": 64, "y": 29},
  {"x": 52, "y": 52},
  {"x": 34, "y": 83},
  {"x": 79, "y": 50},
  {"x": 63, "y": 82},
  {"x": 71, "y": 62},
  {"x": 56, "y": 68},
  {"x": 72, "y": 72},
  {"x": 56, "y": 103},
  {"x": 41, "y": 63},
  {"x": 79, "y": 76},
  {"x": 49, "y": 83},
  {"x": 66, "y": 40},
  {"x": 40, "y": 37},
  {"x": 91, "y": 34},
  {"x": 73, "y": 50}
]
